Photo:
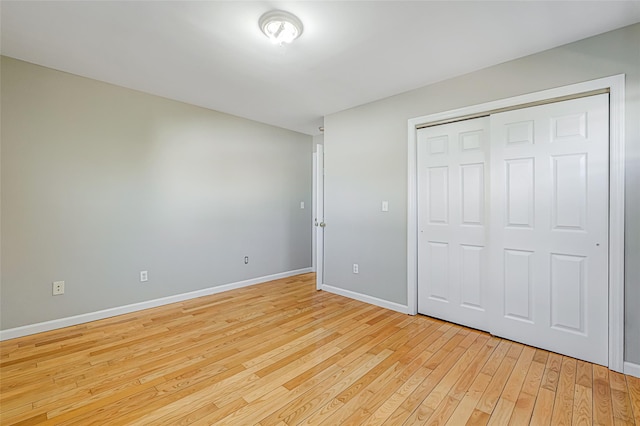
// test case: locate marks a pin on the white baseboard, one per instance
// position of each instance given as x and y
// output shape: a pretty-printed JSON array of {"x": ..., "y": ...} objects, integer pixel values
[
  {"x": 366, "y": 298},
  {"x": 26, "y": 330},
  {"x": 632, "y": 369}
]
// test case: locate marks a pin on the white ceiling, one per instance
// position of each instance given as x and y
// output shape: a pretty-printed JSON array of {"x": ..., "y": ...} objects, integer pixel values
[{"x": 212, "y": 53}]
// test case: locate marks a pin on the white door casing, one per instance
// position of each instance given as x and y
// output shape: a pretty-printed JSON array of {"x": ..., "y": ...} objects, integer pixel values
[
  {"x": 319, "y": 215},
  {"x": 314, "y": 200},
  {"x": 452, "y": 215}
]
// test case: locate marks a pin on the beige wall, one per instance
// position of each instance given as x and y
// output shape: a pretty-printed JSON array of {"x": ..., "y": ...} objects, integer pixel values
[
  {"x": 100, "y": 182},
  {"x": 366, "y": 162}
]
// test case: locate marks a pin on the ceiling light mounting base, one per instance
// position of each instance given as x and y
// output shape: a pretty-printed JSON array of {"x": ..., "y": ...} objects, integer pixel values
[{"x": 280, "y": 27}]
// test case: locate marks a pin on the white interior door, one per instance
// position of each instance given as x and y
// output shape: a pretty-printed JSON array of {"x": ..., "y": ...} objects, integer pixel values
[
  {"x": 452, "y": 215},
  {"x": 549, "y": 226},
  {"x": 319, "y": 215}
]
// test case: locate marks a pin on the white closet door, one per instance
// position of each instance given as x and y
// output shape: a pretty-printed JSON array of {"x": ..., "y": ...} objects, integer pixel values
[
  {"x": 452, "y": 215},
  {"x": 549, "y": 226}
]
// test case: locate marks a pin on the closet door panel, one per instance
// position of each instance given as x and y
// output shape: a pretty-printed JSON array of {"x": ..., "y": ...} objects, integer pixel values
[
  {"x": 549, "y": 227},
  {"x": 452, "y": 216}
]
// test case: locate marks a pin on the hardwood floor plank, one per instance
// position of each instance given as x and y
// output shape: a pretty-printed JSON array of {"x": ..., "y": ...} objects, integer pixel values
[
  {"x": 602, "y": 405},
  {"x": 502, "y": 413},
  {"x": 35, "y": 420},
  {"x": 306, "y": 405},
  {"x": 543, "y": 408},
  {"x": 633, "y": 384},
  {"x": 516, "y": 379},
  {"x": 620, "y": 401},
  {"x": 277, "y": 379},
  {"x": 496, "y": 358},
  {"x": 563, "y": 404},
  {"x": 219, "y": 414},
  {"x": 394, "y": 401},
  {"x": 392, "y": 407},
  {"x": 478, "y": 418},
  {"x": 396, "y": 386},
  {"x": 523, "y": 409},
  {"x": 552, "y": 372},
  {"x": 359, "y": 407},
  {"x": 465, "y": 410},
  {"x": 582, "y": 405},
  {"x": 584, "y": 374},
  {"x": 462, "y": 385},
  {"x": 440, "y": 391},
  {"x": 533, "y": 379},
  {"x": 414, "y": 400},
  {"x": 443, "y": 411},
  {"x": 283, "y": 353},
  {"x": 350, "y": 353},
  {"x": 491, "y": 395},
  {"x": 19, "y": 414},
  {"x": 541, "y": 356}
]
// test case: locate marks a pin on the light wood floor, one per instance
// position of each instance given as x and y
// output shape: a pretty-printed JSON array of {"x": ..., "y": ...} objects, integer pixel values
[{"x": 282, "y": 353}]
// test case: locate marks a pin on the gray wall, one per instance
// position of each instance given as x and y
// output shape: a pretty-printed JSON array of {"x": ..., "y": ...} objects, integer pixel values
[
  {"x": 100, "y": 182},
  {"x": 366, "y": 162}
]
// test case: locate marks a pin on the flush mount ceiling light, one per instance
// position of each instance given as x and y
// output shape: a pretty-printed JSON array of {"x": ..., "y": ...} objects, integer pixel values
[{"x": 280, "y": 26}]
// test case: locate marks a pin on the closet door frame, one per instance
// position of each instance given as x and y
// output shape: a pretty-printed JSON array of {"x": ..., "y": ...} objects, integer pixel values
[{"x": 615, "y": 86}]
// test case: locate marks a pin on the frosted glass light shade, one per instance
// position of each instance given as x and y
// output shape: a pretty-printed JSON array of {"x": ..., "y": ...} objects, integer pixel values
[{"x": 280, "y": 27}]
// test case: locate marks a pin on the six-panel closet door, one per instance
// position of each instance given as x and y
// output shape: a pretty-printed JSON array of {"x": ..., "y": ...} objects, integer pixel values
[
  {"x": 550, "y": 227},
  {"x": 452, "y": 215},
  {"x": 513, "y": 225}
]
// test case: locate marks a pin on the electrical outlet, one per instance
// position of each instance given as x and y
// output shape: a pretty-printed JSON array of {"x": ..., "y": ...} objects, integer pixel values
[
  {"x": 58, "y": 288},
  {"x": 144, "y": 276},
  {"x": 246, "y": 260},
  {"x": 302, "y": 204},
  {"x": 355, "y": 268}
]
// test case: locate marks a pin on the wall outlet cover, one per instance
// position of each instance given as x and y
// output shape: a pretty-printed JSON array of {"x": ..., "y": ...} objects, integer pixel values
[{"x": 58, "y": 288}]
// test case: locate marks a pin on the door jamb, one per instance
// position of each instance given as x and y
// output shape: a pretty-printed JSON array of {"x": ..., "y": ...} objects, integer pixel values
[
  {"x": 319, "y": 215},
  {"x": 616, "y": 86}
]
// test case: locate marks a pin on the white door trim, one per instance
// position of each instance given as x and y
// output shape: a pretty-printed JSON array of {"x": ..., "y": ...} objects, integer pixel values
[
  {"x": 319, "y": 214},
  {"x": 314, "y": 202},
  {"x": 615, "y": 84}
]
